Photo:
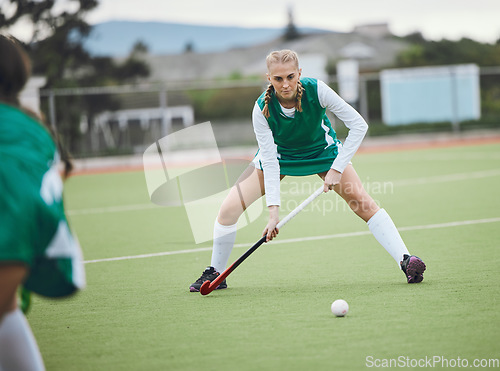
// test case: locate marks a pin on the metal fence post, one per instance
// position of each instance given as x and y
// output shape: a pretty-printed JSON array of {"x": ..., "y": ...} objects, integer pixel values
[
  {"x": 52, "y": 110},
  {"x": 165, "y": 121},
  {"x": 363, "y": 98},
  {"x": 455, "y": 120}
]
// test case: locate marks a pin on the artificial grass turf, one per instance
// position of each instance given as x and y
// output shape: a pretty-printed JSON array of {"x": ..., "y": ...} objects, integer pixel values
[{"x": 138, "y": 314}]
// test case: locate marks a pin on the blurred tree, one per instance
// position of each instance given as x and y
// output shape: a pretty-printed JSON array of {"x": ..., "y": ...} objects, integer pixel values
[
  {"x": 57, "y": 52},
  {"x": 42, "y": 17},
  {"x": 415, "y": 37},
  {"x": 189, "y": 47},
  {"x": 140, "y": 48},
  {"x": 443, "y": 52},
  {"x": 291, "y": 31},
  {"x": 56, "y": 44}
]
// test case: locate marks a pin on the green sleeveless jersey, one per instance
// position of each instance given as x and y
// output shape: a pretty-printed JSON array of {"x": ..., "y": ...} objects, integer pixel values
[
  {"x": 306, "y": 143},
  {"x": 33, "y": 226}
]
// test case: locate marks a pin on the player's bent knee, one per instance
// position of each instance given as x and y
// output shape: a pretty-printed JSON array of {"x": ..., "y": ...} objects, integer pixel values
[{"x": 229, "y": 213}]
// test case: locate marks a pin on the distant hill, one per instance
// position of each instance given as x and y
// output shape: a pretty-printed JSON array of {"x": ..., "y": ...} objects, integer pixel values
[{"x": 116, "y": 38}]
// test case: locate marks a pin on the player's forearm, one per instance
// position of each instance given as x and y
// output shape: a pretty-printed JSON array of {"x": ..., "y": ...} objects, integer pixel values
[{"x": 274, "y": 212}]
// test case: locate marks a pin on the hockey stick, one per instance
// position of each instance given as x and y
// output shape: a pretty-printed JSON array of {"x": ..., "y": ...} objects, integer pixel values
[{"x": 207, "y": 287}]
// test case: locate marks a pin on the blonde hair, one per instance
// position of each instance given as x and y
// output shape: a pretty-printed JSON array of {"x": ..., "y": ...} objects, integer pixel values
[{"x": 282, "y": 56}]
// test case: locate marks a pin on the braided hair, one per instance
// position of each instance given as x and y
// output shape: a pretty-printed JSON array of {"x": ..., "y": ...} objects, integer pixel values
[
  {"x": 282, "y": 56},
  {"x": 267, "y": 100}
]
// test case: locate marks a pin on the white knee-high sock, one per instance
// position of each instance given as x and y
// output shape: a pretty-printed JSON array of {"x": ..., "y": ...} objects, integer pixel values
[
  {"x": 386, "y": 233},
  {"x": 18, "y": 348},
  {"x": 224, "y": 237}
]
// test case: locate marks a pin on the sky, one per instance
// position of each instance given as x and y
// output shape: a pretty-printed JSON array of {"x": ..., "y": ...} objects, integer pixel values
[{"x": 436, "y": 19}]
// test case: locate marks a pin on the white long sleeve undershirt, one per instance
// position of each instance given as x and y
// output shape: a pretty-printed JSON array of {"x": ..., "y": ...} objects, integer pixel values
[{"x": 328, "y": 99}]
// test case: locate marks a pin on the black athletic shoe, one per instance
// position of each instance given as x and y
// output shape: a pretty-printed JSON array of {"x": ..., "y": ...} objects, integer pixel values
[
  {"x": 209, "y": 274},
  {"x": 413, "y": 267}
]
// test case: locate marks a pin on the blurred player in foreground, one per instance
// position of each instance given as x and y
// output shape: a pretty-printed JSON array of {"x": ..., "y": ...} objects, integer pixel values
[
  {"x": 37, "y": 249},
  {"x": 296, "y": 138}
]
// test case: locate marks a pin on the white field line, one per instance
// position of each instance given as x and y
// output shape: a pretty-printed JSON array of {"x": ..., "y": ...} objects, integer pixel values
[
  {"x": 401, "y": 182},
  {"x": 488, "y": 156},
  {"x": 112, "y": 209},
  {"x": 304, "y": 239}
]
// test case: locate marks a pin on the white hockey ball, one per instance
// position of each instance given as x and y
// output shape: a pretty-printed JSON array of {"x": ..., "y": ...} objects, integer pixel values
[{"x": 340, "y": 308}]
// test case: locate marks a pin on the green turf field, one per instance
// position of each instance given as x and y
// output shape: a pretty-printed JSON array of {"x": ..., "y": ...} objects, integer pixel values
[{"x": 137, "y": 314}]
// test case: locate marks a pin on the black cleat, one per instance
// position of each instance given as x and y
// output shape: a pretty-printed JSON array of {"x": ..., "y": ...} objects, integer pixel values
[
  {"x": 209, "y": 274},
  {"x": 413, "y": 267}
]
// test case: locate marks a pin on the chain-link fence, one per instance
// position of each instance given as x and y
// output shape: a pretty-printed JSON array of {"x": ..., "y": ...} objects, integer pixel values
[{"x": 116, "y": 120}]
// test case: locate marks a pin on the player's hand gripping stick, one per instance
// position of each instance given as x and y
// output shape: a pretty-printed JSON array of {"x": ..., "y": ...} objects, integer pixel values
[{"x": 207, "y": 287}]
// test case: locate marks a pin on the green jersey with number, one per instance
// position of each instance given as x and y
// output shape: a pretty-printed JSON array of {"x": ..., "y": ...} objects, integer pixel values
[{"x": 33, "y": 226}]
